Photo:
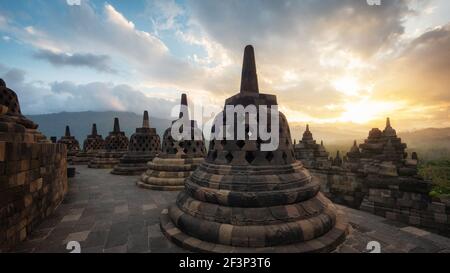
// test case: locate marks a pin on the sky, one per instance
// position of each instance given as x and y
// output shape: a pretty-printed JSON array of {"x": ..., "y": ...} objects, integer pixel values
[{"x": 331, "y": 62}]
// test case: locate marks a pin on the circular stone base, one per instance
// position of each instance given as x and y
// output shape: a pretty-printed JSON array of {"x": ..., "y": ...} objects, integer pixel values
[
  {"x": 158, "y": 188},
  {"x": 130, "y": 171},
  {"x": 326, "y": 243}
]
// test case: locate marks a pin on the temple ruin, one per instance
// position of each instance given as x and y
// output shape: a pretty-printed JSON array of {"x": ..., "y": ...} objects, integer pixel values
[{"x": 378, "y": 176}]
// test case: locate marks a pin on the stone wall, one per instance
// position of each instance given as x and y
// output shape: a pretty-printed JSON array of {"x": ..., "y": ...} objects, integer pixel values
[
  {"x": 33, "y": 182},
  {"x": 403, "y": 199},
  {"x": 408, "y": 202},
  {"x": 340, "y": 186}
]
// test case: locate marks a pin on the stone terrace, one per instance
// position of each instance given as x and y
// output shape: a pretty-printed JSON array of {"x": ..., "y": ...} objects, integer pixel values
[{"x": 109, "y": 213}]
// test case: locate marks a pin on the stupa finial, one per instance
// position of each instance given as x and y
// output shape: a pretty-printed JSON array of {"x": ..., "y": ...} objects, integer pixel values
[
  {"x": 388, "y": 122},
  {"x": 249, "y": 78},
  {"x": 184, "y": 104},
  {"x": 116, "y": 125},
  {"x": 94, "y": 129},
  {"x": 146, "y": 121},
  {"x": 67, "y": 134}
]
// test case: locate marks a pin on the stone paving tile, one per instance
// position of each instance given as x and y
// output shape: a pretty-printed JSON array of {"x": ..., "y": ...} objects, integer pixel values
[
  {"x": 108, "y": 213},
  {"x": 415, "y": 231},
  {"x": 77, "y": 236}
]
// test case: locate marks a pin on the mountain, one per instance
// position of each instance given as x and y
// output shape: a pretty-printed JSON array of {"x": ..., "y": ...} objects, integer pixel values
[
  {"x": 81, "y": 122},
  {"x": 430, "y": 143}
]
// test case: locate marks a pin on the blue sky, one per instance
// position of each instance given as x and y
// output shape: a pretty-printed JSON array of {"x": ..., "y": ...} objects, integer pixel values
[{"x": 327, "y": 61}]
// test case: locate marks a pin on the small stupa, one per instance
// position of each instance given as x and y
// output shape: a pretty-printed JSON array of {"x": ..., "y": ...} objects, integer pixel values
[
  {"x": 116, "y": 145},
  {"x": 311, "y": 154},
  {"x": 246, "y": 199},
  {"x": 15, "y": 127},
  {"x": 178, "y": 158},
  {"x": 144, "y": 145},
  {"x": 73, "y": 147},
  {"x": 91, "y": 146}
]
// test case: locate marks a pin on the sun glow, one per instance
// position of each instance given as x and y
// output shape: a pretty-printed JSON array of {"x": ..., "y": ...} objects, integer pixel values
[
  {"x": 366, "y": 110},
  {"x": 347, "y": 85}
]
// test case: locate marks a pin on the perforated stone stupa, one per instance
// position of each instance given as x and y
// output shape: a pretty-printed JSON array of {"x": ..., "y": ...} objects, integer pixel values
[
  {"x": 91, "y": 146},
  {"x": 383, "y": 152},
  {"x": 245, "y": 199},
  {"x": 178, "y": 158},
  {"x": 116, "y": 145},
  {"x": 73, "y": 147},
  {"x": 144, "y": 145}
]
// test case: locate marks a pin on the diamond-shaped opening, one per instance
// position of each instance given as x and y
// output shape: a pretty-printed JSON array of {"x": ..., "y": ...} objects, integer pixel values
[
  {"x": 269, "y": 156},
  {"x": 250, "y": 157},
  {"x": 185, "y": 151},
  {"x": 229, "y": 157},
  {"x": 181, "y": 144},
  {"x": 240, "y": 143}
]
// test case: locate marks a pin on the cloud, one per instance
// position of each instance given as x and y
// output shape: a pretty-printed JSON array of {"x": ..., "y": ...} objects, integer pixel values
[
  {"x": 39, "y": 98},
  {"x": 100, "y": 63}
]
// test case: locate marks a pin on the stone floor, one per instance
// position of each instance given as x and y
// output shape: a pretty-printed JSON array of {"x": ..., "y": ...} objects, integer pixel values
[{"x": 108, "y": 213}]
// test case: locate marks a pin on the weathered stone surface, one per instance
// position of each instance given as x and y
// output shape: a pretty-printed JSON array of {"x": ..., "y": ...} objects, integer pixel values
[
  {"x": 245, "y": 199},
  {"x": 116, "y": 145},
  {"x": 144, "y": 145},
  {"x": 93, "y": 144},
  {"x": 73, "y": 147},
  {"x": 311, "y": 154},
  {"x": 178, "y": 158},
  {"x": 33, "y": 179}
]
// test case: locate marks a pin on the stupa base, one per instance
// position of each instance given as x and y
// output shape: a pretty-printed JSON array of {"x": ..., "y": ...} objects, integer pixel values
[
  {"x": 168, "y": 174},
  {"x": 132, "y": 164},
  {"x": 107, "y": 160},
  {"x": 323, "y": 244},
  {"x": 160, "y": 187}
]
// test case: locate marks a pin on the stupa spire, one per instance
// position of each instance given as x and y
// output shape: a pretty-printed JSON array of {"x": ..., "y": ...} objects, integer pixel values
[
  {"x": 67, "y": 134},
  {"x": 116, "y": 125},
  {"x": 184, "y": 104},
  {"x": 249, "y": 78},
  {"x": 146, "y": 121},
  {"x": 388, "y": 122},
  {"x": 94, "y": 129}
]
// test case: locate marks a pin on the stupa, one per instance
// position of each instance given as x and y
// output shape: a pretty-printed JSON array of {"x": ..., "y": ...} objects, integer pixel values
[
  {"x": 144, "y": 145},
  {"x": 384, "y": 145},
  {"x": 384, "y": 152},
  {"x": 73, "y": 147},
  {"x": 15, "y": 126},
  {"x": 116, "y": 145},
  {"x": 178, "y": 158},
  {"x": 91, "y": 146},
  {"x": 311, "y": 154},
  {"x": 246, "y": 199}
]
